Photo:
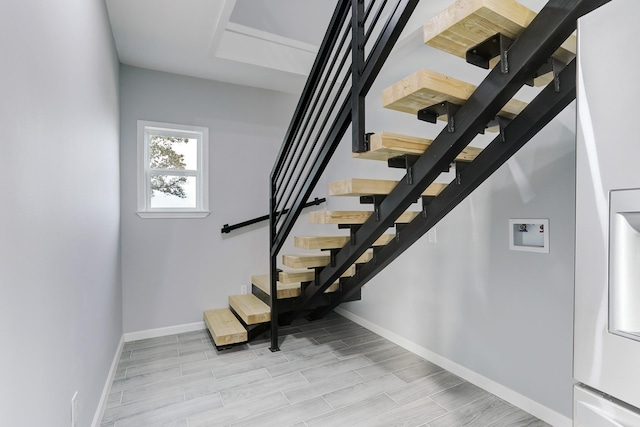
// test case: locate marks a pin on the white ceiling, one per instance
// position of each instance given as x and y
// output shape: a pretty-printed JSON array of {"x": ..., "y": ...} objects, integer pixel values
[{"x": 268, "y": 44}]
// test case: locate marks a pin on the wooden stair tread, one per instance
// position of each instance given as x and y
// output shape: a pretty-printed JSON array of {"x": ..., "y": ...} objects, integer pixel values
[
  {"x": 291, "y": 290},
  {"x": 250, "y": 309},
  {"x": 385, "y": 145},
  {"x": 318, "y": 260},
  {"x": 306, "y": 275},
  {"x": 333, "y": 242},
  {"x": 367, "y": 187},
  {"x": 353, "y": 217},
  {"x": 467, "y": 23},
  {"x": 425, "y": 88},
  {"x": 285, "y": 290},
  {"x": 224, "y": 327}
]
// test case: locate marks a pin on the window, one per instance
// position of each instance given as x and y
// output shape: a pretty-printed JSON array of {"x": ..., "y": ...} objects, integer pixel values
[{"x": 172, "y": 171}]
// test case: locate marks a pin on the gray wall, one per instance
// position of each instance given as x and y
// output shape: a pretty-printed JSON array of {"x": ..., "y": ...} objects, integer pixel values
[
  {"x": 60, "y": 310},
  {"x": 173, "y": 269},
  {"x": 505, "y": 315}
]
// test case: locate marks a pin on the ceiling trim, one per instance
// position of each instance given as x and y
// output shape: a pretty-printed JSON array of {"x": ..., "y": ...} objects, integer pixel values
[
  {"x": 221, "y": 22},
  {"x": 250, "y": 46},
  {"x": 270, "y": 37}
]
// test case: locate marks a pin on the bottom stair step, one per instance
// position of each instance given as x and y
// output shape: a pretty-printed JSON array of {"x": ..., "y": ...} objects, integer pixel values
[
  {"x": 250, "y": 309},
  {"x": 224, "y": 327}
]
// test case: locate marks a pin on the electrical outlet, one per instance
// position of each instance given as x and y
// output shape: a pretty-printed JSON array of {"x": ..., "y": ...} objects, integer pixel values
[
  {"x": 74, "y": 410},
  {"x": 243, "y": 289},
  {"x": 431, "y": 235}
]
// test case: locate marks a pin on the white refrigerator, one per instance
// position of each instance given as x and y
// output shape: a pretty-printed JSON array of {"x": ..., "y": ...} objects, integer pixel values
[{"x": 607, "y": 267}]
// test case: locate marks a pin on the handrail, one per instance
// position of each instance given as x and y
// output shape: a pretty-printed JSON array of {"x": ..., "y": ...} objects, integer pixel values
[
  {"x": 332, "y": 100},
  {"x": 229, "y": 228}
]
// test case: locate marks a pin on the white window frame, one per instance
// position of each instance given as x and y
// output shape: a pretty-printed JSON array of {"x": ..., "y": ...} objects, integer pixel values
[{"x": 144, "y": 171}]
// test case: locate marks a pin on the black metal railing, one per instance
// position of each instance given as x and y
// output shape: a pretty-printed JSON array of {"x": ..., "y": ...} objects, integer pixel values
[
  {"x": 355, "y": 47},
  {"x": 229, "y": 228}
]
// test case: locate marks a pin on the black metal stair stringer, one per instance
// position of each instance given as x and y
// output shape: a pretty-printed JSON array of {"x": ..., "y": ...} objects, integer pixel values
[
  {"x": 535, "y": 117},
  {"x": 555, "y": 22}
]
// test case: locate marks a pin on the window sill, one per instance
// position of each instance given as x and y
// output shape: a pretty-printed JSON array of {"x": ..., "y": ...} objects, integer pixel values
[{"x": 173, "y": 215}]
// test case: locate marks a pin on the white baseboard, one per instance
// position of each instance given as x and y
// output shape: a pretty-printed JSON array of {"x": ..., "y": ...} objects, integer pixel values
[
  {"x": 102, "y": 404},
  {"x": 161, "y": 332},
  {"x": 531, "y": 406},
  {"x": 134, "y": 336}
]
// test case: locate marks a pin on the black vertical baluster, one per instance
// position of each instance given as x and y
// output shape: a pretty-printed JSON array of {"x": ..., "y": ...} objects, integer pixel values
[
  {"x": 357, "y": 65},
  {"x": 272, "y": 268}
]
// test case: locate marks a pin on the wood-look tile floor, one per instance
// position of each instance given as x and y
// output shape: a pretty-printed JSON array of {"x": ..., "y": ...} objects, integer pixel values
[{"x": 331, "y": 372}]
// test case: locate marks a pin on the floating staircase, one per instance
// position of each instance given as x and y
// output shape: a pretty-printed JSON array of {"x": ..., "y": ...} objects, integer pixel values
[{"x": 520, "y": 48}]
